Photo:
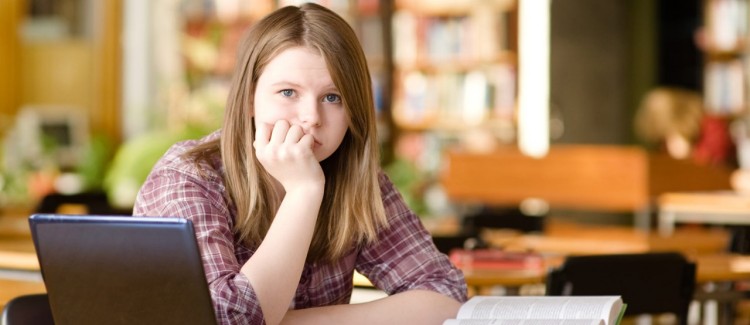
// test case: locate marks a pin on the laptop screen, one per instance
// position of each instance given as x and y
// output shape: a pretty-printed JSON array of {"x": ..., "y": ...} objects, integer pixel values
[{"x": 121, "y": 270}]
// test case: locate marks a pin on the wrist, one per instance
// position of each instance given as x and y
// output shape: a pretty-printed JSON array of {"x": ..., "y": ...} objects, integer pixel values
[{"x": 306, "y": 188}]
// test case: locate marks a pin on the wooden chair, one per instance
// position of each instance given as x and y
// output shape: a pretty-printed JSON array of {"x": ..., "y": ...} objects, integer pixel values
[
  {"x": 649, "y": 283},
  {"x": 81, "y": 203},
  {"x": 27, "y": 309}
]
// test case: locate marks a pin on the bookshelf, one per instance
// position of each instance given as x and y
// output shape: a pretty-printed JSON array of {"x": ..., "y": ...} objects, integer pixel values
[
  {"x": 455, "y": 76},
  {"x": 455, "y": 65}
]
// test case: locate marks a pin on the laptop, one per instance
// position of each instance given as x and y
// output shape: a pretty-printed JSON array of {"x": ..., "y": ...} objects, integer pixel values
[{"x": 121, "y": 270}]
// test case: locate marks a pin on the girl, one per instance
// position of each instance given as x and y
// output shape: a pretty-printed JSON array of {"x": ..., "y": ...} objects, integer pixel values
[{"x": 288, "y": 199}]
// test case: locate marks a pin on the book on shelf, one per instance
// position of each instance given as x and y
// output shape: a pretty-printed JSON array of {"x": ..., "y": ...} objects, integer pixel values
[
  {"x": 724, "y": 87},
  {"x": 478, "y": 37},
  {"x": 727, "y": 24},
  {"x": 471, "y": 96},
  {"x": 540, "y": 310}
]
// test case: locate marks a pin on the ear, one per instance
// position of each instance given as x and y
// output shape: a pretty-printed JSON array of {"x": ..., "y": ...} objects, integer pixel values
[{"x": 251, "y": 108}]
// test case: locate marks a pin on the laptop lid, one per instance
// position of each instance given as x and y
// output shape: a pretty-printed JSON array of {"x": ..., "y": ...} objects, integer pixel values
[{"x": 121, "y": 270}]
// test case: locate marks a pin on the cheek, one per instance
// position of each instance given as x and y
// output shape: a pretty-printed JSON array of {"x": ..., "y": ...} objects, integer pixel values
[
  {"x": 341, "y": 122},
  {"x": 268, "y": 111}
]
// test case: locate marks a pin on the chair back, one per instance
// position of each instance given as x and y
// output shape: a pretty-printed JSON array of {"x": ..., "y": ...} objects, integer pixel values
[
  {"x": 649, "y": 283},
  {"x": 80, "y": 203},
  {"x": 27, "y": 309}
]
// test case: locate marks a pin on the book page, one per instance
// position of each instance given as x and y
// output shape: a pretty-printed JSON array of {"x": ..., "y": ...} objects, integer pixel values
[
  {"x": 542, "y": 307},
  {"x": 523, "y": 322}
]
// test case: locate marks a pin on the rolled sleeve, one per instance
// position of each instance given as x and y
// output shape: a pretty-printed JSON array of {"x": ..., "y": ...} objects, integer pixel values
[{"x": 404, "y": 257}]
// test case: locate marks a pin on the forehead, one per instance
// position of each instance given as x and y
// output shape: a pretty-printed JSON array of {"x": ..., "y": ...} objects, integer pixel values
[{"x": 298, "y": 59}]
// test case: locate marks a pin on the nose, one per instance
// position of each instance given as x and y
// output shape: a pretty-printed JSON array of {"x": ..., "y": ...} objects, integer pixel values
[{"x": 308, "y": 115}]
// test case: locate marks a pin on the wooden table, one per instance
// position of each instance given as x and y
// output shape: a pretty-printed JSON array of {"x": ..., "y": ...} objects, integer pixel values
[
  {"x": 707, "y": 247},
  {"x": 566, "y": 238},
  {"x": 19, "y": 267},
  {"x": 19, "y": 275},
  {"x": 11, "y": 288},
  {"x": 716, "y": 207},
  {"x": 710, "y": 268}
]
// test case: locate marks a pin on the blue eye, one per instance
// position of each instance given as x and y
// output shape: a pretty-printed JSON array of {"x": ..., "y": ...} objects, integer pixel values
[
  {"x": 332, "y": 98},
  {"x": 287, "y": 92}
]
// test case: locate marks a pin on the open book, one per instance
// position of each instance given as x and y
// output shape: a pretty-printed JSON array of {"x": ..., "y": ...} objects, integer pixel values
[{"x": 540, "y": 310}]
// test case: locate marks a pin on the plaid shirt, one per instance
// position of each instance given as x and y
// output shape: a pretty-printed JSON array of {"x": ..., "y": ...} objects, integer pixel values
[{"x": 404, "y": 257}]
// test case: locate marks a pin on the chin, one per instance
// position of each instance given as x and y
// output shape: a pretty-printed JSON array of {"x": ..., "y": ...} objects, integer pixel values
[{"x": 322, "y": 157}]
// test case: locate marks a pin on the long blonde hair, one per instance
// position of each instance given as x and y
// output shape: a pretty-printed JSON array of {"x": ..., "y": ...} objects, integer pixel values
[{"x": 352, "y": 211}]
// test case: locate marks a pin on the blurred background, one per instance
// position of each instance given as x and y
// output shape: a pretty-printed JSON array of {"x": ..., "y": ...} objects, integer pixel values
[
  {"x": 585, "y": 121},
  {"x": 93, "y": 92}
]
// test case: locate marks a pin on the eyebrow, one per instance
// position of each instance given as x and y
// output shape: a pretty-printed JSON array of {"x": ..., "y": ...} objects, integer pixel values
[
  {"x": 329, "y": 88},
  {"x": 286, "y": 83}
]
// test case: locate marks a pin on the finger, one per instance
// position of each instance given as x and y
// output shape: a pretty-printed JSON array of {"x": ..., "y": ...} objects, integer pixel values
[
  {"x": 307, "y": 141},
  {"x": 294, "y": 134},
  {"x": 280, "y": 129},
  {"x": 262, "y": 134}
]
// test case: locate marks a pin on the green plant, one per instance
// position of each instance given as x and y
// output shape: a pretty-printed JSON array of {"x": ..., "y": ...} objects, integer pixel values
[{"x": 411, "y": 182}]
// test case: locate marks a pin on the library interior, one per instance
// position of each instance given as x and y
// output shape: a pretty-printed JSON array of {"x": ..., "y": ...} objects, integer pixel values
[{"x": 523, "y": 133}]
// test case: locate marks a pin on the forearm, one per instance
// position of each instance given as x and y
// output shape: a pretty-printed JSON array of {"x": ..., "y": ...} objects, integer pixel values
[
  {"x": 275, "y": 268},
  {"x": 410, "y": 307}
]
